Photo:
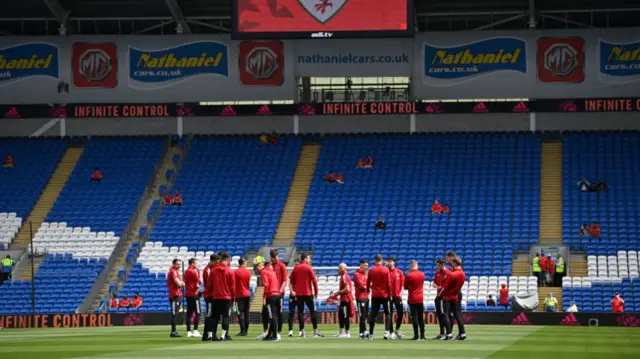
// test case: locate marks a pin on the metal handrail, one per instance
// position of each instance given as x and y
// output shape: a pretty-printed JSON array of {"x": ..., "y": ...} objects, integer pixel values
[{"x": 124, "y": 238}]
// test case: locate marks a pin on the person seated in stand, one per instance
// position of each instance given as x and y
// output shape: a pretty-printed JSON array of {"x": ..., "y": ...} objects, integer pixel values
[
  {"x": 96, "y": 176},
  {"x": 436, "y": 207},
  {"x": 380, "y": 225},
  {"x": 446, "y": 209},
  {"x": 264, "y": 139},
  {"x": 360, "y": 163},
  {"x": 339, "y": 178},
  {"x": 601, "y": 187},
  {"x": 368, "y": 162},
  {"x": 585, "y": 230},
  {"x": 617, "y": 303},
  {"x": 330, "y": 177},
  {"x": 136, "y": 301},
  {"x": 490, "y": 301},
  {"x": 167, "y": 199},
  {"x": 595, "y": 230},
  {"x": 573, "y": 308},
  {"x": 9, "y": 162},
  {"x": 584, "y": 185},
  {"x": 115, "y": 303},
  {"x": 274, "y": 139},
  {"x": 124, "y": 303},
  {"x": 177, "y": 199}
]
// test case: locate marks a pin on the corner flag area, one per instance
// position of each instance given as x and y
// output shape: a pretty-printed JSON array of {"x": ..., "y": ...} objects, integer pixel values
[{"x": 484, "y": 342}]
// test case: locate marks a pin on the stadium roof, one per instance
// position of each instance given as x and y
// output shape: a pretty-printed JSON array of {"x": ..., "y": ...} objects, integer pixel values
[{"x": 90, "y": 17}]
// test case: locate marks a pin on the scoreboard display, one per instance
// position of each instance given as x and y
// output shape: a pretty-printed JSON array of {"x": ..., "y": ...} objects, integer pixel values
[{"x": 302, "y": 19}]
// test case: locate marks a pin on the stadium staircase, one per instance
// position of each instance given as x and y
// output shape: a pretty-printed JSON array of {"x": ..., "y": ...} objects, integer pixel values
[
  {"x": 578, "y": 268},
  {"x": 544, "y": 291},
  {"x": 123, "y": 266},
  {"x": 294, "y": 206},
  {"x": 551, "y": 194},
  {"x": 25, "y": 273},
  {"x": 521, "y": 266},
  {"x": 48, "y": 198},
  {"x": 256, "y": 304}
]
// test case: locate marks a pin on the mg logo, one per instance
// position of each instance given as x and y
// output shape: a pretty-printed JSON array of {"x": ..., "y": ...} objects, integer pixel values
[
  {"x": 95, "y": 65},
  {"x": 561, "y": 59},
  {"x": 261, "y": 63}
]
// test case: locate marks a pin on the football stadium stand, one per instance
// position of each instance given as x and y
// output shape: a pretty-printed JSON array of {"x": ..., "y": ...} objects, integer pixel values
[
  {"x": 594, "y": 294},
  {"x": 614, "y": 158},
  {"x": 234, "y": 190},
  {"x": 87, "y": 220},
  {"x": 490, "y": 181},
  {"x": 35, "y": 161}
]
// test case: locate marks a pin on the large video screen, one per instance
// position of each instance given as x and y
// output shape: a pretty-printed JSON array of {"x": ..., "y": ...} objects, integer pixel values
[{"x": 299, "y": 19}]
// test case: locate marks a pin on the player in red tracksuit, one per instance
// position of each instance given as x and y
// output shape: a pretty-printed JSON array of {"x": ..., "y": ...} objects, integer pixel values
[
  {"x": 438, "y": 282},
  {"x": 224, "y": 286},
  {"x": 346, "y": 310},
  {"x": 305, "y": 288},
  {"x": 397, "y": 285},
  {"x": 379, "y": 283},
  {"x": 453, "y": 282},
  {"x": 192, "y": 281},
  {"x": 362, "y": 296},
  {"x": 270, "y": 299},
  {"x": 214, "y": 259},
  {"x": 414, "y": 284},
  {"x": 174, "y": 285},
  {"x": 281, "y": 273},
  {"x": 243, "y": 295}
]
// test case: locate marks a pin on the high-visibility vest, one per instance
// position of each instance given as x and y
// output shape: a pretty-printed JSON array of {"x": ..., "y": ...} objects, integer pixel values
[
  {"x": 536, "y": 264},
  {"x": 550, "y": 302},
  {"x": 560, "y": 266},
  {"x": 259, "y": 259},
  {"x": 7, "y": 262}
]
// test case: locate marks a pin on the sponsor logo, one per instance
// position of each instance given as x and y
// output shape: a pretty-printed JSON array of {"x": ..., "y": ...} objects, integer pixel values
[
  {"x": 620, "y": 60},
  {"x": 627, "y": 320},
  {"x": 612, "y": 105},
  {"x": 306, "y": 110},
  {"x": 520, "y": 107},
  {"x": 323, "y": 10},
  {"x": 567, "y": 106},
  {"x": 150, "y": 110},
  {"x": 58, "y": 111},
  {"x": 12, "y": 113},
  {"x": 434, "y": 108},
  {"x": 561, "y": 59},
  {"x": 228, "y": 111},
  {"x": 261, "y": 63},
  {"x": 373, "y": 108},
  {"x": 179, "y": 62},
  {"x": 133, "y": 319},
  {"x": 521, "y": 319},
  {"x": 27, "y": 60},
  {"x": 480, "y": 108},
  {"x": 184, "y": 110},
  {"x": 94, "y": 65},
  {"x": 264, "y": 110},
  {"x": 322, "y": 34},
  {"x": 456, "y": 62},
  {"x": 569, "y": 319}
]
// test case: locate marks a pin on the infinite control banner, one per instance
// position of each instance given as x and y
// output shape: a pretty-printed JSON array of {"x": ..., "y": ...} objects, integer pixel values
[
  {"x": 329, "y": 318},
  {"x": 324, "y": 109},
  {"x": 528, "y": 64},
  {"x": 134, "y": 69}
]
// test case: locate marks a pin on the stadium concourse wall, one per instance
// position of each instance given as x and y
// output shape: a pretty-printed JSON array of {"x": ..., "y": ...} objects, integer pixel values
[
  {"x": 35, "y": 127},
  {"x": 483, "y": 318}
]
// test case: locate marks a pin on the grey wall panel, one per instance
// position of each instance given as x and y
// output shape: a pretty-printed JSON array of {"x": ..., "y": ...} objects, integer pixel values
[
  {"x": 587, "y": 121},
  {"x": 472, "y": 122},
  {"x": 238, "y": 125},
  {"x": 121, "y": 126},
  {"x": 352, "y": 124},
  {"x": 22, "y": 127}
]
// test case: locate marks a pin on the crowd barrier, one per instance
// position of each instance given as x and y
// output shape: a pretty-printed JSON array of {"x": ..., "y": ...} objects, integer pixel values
[{"x": 141, "y": 319}]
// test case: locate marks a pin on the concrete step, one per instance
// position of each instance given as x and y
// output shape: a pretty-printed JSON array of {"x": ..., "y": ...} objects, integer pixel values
[{"x": 26, "y": 270}]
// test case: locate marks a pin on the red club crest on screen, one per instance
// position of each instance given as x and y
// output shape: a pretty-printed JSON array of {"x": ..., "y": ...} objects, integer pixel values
[
  {"x": 321, "y": 15},
  {"x": 261, "y": 63},
  {"x": 561, "y": 59},
  {"x": 94, "y": 65}
]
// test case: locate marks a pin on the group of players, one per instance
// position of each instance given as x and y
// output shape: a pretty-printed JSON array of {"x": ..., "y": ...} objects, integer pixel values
[{"x": 383, "y": 283}]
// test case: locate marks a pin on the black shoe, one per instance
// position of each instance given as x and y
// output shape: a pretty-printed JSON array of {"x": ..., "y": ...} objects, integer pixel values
[
  {"x": 438, "y": 337},
  {"x": 214, "y": 339},
  {"x": 227, "y": 337},
  {"x": 174, "y": 335},
  {"x": 205, "y": 338},
  {"x": 241, "y": 334},
  {"x": 447, "y": 337},
  {"x": 414, "y": 338},
  {"x": 461, "y": 337},
  {"x": 268, "y": 339},
  {"x": 221, "y": 339}
]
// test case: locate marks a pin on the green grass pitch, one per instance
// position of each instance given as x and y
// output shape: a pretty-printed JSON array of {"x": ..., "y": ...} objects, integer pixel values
[{"x": 485, "y": 341}]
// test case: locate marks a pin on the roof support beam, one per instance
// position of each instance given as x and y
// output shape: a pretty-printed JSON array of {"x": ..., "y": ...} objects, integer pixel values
[
  {"x": 62, "y": 16},
  {"x": 566, "y": 21},
  {"x": 532, "y": 14},
  {"x": 178, "y": 16},
  {"x": 499, "y": 22}
]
